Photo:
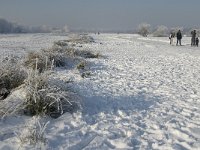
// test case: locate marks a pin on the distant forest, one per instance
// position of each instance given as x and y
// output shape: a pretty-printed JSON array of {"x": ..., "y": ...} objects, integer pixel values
[
  {"x": 161, "y": 30},
  {"x": 10, "y": 27}
]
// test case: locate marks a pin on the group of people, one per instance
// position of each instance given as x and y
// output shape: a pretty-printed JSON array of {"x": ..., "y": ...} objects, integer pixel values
[
  {"x": 194, "y": 40},
  {"x": 178, "y": 36}
]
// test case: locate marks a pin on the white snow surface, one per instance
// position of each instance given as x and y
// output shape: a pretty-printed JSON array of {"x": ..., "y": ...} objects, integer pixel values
[
  {"x": 142, "y": 94},
  {"x": 19, "y": 44}
]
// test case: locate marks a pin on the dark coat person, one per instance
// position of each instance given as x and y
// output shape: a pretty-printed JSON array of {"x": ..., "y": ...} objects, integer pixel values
[
  {"x": 193, "y": 40},
  {"x": 179, "y": 37},
  {"x": 197, "y": 41}
]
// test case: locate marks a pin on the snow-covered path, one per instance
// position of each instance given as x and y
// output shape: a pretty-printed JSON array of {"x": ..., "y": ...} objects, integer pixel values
[{"x": 142, "y": 94}]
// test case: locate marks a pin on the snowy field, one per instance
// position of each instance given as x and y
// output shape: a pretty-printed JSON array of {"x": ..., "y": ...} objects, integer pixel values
[
  {"x": 19, "y": 44},
  {"x": 142, "y": 94}
]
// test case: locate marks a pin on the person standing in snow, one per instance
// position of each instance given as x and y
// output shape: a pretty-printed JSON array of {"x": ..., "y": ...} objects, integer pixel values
[
  {"x": 171, "y": 38},
  {"x": 179, "y": 37},
  {"x": 193, "y": 40},
  {"x": 197, "y": 41}
]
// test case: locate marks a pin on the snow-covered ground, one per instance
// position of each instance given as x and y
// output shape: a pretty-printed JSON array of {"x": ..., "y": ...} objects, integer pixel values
[
  {"x": 21, "y": 43},
  {"x": 142, "y": 94}
]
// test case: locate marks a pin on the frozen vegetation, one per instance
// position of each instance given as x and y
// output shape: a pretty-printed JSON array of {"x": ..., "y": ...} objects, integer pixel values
[{"x": 107, "y": 91}]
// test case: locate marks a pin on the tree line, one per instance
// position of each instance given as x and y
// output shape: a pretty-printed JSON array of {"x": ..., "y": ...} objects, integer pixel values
[
  {"x": 10, "y": 27},
  {"x": 145, "y": 29}
]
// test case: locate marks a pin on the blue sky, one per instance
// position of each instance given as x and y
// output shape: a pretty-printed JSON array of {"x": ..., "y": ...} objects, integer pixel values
[{"x": 102, "y": 14}]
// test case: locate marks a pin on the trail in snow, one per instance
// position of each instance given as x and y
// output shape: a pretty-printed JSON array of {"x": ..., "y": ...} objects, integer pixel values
[{"x": 144, "y": 95}]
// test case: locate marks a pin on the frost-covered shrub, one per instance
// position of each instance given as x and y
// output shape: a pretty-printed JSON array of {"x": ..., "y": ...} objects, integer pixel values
[
  {"x": 81, "y": 65},
  {"x": 61, "y": 43},
  {"x": 11, "y": 76},
  {"x": 47, "y": 58},
  {"x": 42, "y": 98},
  {"x": 87, "y": 54},
  {"x": 86, "y": 74},
  {"x": 161, "y": 31},
  {"x": 175, "y": 29},
  {"x": 33, "y": 133},
  {"x": 144, "y": 29},
  {"x": 198, "y": 32},
  {"x": 65, "y": 29},
  {"x": 82, "y": 39},
  {"x": 59, "y": 54},
  {"x": 87, "y": 39},
  {"x": 62, "y": 47},
  {"x": 55, "y": 58},
  {"x": 37, "y": 61}
]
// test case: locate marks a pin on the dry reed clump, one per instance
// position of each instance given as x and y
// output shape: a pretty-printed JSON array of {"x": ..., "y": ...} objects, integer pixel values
[
  {"x": 33, "y": 133},
  {"x": 57, "y": 59},
  {"x": 61, "y": 43},
  {"x": 81, "y": 39},
  {"x": 48, "y": 58},
  {"x": 81, "y": 65},
  {"x": 37, "y": 60},
  {"x": 63, "y": 49},
  {"x": 86, "y": 74},
  {"x": 45, "y": 99},
  {"x": 59, "y": 55},
  {"x": 11, "y": 76},
  {"x": 87, "y": 54}
]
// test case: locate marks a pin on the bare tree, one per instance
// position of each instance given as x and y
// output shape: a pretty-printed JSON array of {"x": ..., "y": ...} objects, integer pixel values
[
  {"x": 161, "y": 31},
  {"x": 144, "y": 29},
  {"x": 175, "y": 29},
  {"x": 65, "y": 29}
]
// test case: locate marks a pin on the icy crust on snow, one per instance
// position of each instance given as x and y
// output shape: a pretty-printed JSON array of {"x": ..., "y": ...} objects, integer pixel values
[{"x": 142, "y": 94}]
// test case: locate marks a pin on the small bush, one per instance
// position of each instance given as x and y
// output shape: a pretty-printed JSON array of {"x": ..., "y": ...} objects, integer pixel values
[
  {"x": 86, "y": 74},
  {"x": 81, "y": 39},
  {"x": 47, "y": 58},
  {"x": 59, "y": 55},
  {"x": 37, "y": 61},
  {"x": 4, "y": 93},
  {"x": 66, "y": 50},
  {"x": 87, "y": 39},
  {"x": 81, "y": 65},
  {"x": 33, "y": 133},
  {"x": 87, "y": 54},
  {"x": 56, "y": 59},
  {"x": 61, "y": 43},
  {"x": 161, "y": 31},
  {"x": 11, "y": 76},
  {"x": 45, "y": 99},
  {"x": 144, "y": 29}
]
